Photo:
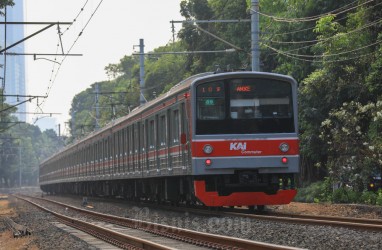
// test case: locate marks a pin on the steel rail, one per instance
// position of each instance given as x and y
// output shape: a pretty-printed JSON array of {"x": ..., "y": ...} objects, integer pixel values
[
  {"x": 185, "y": 235},
  {"x": 118, "y": 239},
  {"x": 346, "y": 222},
  {"x": 353, "y": 223}
]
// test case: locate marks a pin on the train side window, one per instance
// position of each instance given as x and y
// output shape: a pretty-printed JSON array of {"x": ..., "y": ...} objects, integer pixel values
[
  {"x": 151, "y": 134},
  {"x": 162, "y": 131},
  {"x": 142, "y": 138},
  {"x": 136, "y": 138},
  {"x": 126, "y": 141},
  {"x": 121, "y": 142},
  {"x": 131, "y": 141},
  {"x": 175, "y": 127}
]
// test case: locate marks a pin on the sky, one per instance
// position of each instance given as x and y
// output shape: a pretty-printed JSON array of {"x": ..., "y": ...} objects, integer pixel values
[{"x": 112, "y": 32}]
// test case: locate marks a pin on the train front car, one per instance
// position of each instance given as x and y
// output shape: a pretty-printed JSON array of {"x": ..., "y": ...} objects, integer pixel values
[{"x": 244, "y": 139}]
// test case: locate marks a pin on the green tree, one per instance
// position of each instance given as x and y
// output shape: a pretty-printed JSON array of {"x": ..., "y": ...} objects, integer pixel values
[{"x": 3, "y": 4}]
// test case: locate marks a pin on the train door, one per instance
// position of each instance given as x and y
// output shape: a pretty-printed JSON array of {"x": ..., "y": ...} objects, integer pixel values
[
  {"x": 174, "y": 131},
  {"x": 162, "y": 135},
  {"x": 184, "y": 138},
  {"x": 99, "y": 157},
  {"x": 127, "y": 150},
  {"x": 168, "y": 140},
  {"x": 151, "y": 146},
  {"x": 144, "y": 147},
  {"x": 95, "y": 158},
  {"x": 157, "y": 143},
  {"x": 106, "y": 156},
  {"x": 136, "y": 148},
  {"x": 118, "y": 151},
  {"x": 123, "y": 150},
  {"x": 112, "y": 155},
  {"x": 131, "y": 149}
]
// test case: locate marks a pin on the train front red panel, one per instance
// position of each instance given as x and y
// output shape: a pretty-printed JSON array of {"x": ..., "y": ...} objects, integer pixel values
[
  {"x": 213, "y": 199},
  {"x": 259, "y": 147}
]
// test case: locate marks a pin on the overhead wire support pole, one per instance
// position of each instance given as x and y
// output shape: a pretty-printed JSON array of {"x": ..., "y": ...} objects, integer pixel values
[
  {"x": 97, "y": 106},
  {"x": 141, "y": 71},
  {"x": 50, "y": 24},
  {"x": 59, "y": 36},
  {"x": 255, "y": 30},
  {"x": 30, "y": 99}
]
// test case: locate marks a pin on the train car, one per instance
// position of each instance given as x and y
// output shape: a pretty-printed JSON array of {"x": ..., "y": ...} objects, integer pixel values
[{"x": 220, "y": 139}]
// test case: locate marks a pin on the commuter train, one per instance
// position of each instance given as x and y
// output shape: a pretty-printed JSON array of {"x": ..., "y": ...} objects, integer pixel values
[{"x": 218, "y": 139}]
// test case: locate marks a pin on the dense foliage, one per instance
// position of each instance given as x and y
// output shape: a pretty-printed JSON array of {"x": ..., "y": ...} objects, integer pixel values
[{"x": 22, "y": 148}]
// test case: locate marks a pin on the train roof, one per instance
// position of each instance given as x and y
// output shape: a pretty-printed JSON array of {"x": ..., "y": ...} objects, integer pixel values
[{"x": 136, "y": 111}]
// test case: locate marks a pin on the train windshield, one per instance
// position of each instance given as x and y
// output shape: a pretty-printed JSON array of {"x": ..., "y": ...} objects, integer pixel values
[{"x": 244, "y": 106}]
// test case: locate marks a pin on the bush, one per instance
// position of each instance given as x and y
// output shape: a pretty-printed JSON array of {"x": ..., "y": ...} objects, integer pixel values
[
  {"x": 345, "y": 195},
  {"x": 322, "y": 192},
  {"x": 379, "y": 198},
  {"x": 316, "y": 192},
  {"x": 368, "y": 197}
]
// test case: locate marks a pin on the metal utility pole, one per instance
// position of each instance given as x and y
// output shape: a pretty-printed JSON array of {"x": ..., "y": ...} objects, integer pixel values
[
  {"x": 255, "y": 30},
  {"x": 97, "y": 107},
  {"x": 141, "y": 71},
  {"x": 20, "y": 166}
]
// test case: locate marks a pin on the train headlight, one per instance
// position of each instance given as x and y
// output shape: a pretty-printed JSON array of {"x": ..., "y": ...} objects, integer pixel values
[
  {"x": 208, "y": 149},
  {"x": 284, "y": 147}
]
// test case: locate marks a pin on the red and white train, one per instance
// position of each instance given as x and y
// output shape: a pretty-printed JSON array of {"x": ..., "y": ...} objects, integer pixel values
[{"x": 221, "y": 139}]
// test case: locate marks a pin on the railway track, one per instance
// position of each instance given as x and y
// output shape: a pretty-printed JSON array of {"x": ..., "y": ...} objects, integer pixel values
[
  {"x": 352, "y": 223},
  {"x": 334, "y": 221},
  {"x": 110, "y": 229}
]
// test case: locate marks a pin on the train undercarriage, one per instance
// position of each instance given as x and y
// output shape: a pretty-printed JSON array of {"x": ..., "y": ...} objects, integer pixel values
[{"x": 244, "y": 188}]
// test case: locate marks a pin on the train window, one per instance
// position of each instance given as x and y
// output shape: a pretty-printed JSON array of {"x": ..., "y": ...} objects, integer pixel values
[
  {"x": 245, "y": 106},
  {"x": 175, "y": 127},
  {"x": 257, "y": 99},
  {"x": 152, "y": 134},
  {"x": 143, "y": 138},
  {"x": 211, "y": 101},
  {"x": 162, "y": 130},
  {"x": 136, "y": 138},
  {"x": 131, "y": 141}
]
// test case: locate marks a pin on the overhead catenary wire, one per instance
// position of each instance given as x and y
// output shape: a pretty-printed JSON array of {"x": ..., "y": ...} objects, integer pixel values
[
  {"x": 75, "y": 19},
  {"x": 326, "y": 55},
  {"x": 321, "y": 41},
  {"x": 378, "y": 21},
  {"x": 312, "y": 18},
  {"x": 318, "y": 61},
  {"x": 312, "y": 27},
  {"x": 53, "y": 79}
]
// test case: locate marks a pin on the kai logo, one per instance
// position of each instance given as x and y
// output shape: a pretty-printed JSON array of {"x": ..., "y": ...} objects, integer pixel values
[{"x": 238, "y": 146}]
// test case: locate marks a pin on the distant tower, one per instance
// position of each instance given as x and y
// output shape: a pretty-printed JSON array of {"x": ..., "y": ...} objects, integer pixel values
[{"x": 15, "y": 65}]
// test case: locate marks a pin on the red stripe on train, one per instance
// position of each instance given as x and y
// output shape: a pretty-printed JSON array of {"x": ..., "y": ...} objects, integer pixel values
[{"x": 245, "y": 148}]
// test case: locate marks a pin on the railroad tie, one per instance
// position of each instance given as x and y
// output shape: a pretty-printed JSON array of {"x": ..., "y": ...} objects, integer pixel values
[{"x": 17, "y": 229}]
